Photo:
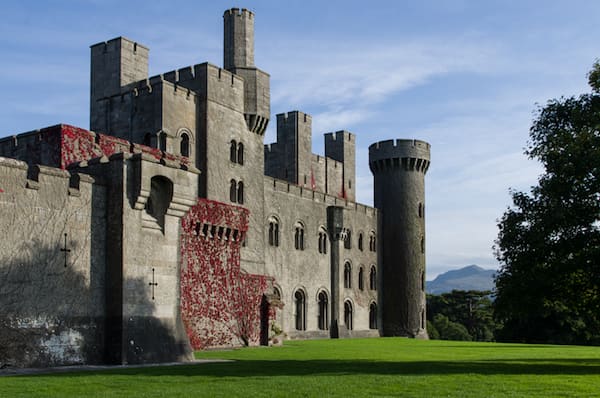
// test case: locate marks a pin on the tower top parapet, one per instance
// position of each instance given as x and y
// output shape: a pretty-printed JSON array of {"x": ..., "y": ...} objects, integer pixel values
[
  {"x": 396, "y": 154},
  {"x": 244, "y": 12}
]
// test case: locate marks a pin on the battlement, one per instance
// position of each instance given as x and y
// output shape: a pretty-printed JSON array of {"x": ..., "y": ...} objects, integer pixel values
[
  {"x": 296, "y": 191},
  {"x": 195, "y": 75},
  {"x": 395, "y": 154},
  {"x": 116, "y": 42},
  {"x": 17, "y": 175},
  {"x": 341, "y": 135},
  {"x": 236, "y": 12},
  {"x": 62, "y": 145},
  {"x": 295, "y": 115}
]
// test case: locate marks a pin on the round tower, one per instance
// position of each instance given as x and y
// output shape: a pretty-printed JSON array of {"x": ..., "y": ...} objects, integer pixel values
[{"x": 399, "y": 169}]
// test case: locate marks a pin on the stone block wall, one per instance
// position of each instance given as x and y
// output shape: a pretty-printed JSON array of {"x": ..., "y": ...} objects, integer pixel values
[{"x": 51, "y": 266}]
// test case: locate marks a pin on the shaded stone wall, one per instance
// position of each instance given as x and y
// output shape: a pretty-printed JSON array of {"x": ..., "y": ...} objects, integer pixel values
[{"x": 51, "y": 300}]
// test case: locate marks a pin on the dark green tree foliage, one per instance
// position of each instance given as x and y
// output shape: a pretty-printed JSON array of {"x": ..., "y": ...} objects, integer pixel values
[
  {"x": 548, "y": 289},
  {"x": 449, "y": 330},
  {"x": 470, "y": 309}
]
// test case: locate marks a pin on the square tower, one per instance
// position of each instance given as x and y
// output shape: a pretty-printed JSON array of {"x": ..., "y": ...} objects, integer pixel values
[
  {"x": 114, "y": 64},
  {"x": 340, "y": 146}
]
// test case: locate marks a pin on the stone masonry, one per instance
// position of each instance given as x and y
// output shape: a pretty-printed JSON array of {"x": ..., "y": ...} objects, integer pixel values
[{"x": 170, "y": 226}]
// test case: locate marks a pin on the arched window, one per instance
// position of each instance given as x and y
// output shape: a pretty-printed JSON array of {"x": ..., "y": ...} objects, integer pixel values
[
  {"x": 373, "y": 278},
  {"x": 233, "y": 151},
  {"x": 184, "y": 146},
  {"x": 233, "y": 191},
  {"x": 162, "y": 141},
  {"x": 360, "y": 241},
  {"x": 299, "y": 236},
  {"x": 323, "y": 321},
  {"x": 348, "y": 314},
  {"x": 240, "y": 192},
  {"x": 373, "y": 316},
  {"x": 322, "y": 241},
  {"x": 240, "y": 153},
  {"x": 273, "y": 232},
  {"x": 277, "y": 293},
  {"x": 372, "y": 242},
  {"x": 348, "y": 240},
  {"x": 236, "y": 152},
  {"x": 361, "y": 278},
  {"x": 347, "y": 275},
  {"x": 300, "y": 307}
]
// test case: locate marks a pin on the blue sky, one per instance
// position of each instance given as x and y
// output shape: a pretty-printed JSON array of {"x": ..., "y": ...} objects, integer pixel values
[{"x": 463, "y": 75}]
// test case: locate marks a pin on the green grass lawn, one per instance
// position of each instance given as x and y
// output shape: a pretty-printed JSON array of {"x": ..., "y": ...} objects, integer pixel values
[{"x": 344, "y": 368}]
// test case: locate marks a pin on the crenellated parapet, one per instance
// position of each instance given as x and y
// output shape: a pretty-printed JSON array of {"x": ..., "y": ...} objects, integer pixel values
[{"x": 408, "y": 155}]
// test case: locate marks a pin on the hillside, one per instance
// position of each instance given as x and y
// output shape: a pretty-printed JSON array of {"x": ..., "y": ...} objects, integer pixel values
[{"x": 471, "y": 277}]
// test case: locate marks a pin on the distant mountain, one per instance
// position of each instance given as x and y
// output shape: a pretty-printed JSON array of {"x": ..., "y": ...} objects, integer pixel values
[{"x": 471, "y": 277}]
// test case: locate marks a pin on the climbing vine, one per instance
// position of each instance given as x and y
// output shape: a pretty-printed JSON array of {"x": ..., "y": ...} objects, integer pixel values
[{"x": 220, "y": 304}]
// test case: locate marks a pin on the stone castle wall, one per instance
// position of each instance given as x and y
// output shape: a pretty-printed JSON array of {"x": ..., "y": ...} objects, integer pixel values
[
  {"x": 52, "y": 309},
  {"x": 310, "y": 270}
]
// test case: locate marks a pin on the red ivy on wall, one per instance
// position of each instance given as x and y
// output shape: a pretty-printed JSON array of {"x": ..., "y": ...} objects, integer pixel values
[{"x": 220, "y": 304}]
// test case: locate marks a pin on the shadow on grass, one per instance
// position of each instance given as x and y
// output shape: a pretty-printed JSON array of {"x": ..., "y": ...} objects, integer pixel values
[{"x": 256, "y": 368}]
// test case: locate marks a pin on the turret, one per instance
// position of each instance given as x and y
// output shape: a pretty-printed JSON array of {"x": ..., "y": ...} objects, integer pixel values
[
  {"x": 115, "y": 64},
  {"x": 340, "y": 146},
  {"x": 238, "y": 39},
  {"x": 399, "y": 169},
  {"x": 238, "y": 57}
]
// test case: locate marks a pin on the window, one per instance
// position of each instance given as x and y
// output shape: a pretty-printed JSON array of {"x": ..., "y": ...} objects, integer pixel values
[
  {"x": 322, "y": 241},
  {"x": 240, "y": 193},
  {"x": 360, "y": 241},
  {"x": 348, "y": 314},
  {"x": 299, "y": 236},
  {"x": 240, "y": 153},
  {"x": 148, "y": 139},
  {"x": 347, "y": 275},
  {"x": 373, "y": 316},
  {"x": 348, "y": 240},
  {"x": 236, "y": 191},
  {"x": 273, "y": 232},
  {"x": 361, "y": 278},
  {"x": 233, "y": 191},
  {"x": 277, "y": 293},
  {"x": 421, "y": 210},
  {"x": 423, "y": 280},
  {"x": 372, "y": 242},
  {"x": 373, "y": 278},
  {"x": 162, "y": 141},
  {"x": 236, "y": 152},
  {"x": 300, "y": 307},
  {"x": 184, "y": 147},
  {"x": 233, "y": 151},
  {"x": 423, "y": 244},
  {"x": 323, "y": 322}
]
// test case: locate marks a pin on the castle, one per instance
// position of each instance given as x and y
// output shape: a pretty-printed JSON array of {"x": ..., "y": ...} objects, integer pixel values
[{"x": 170, "y": 225}]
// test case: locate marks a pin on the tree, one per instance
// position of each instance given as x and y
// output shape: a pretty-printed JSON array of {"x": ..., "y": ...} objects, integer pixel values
[
  {"x": 548, "y": 288},
  {"x": 472, "y": 309},
  {"x": 449, "y": 330}
]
